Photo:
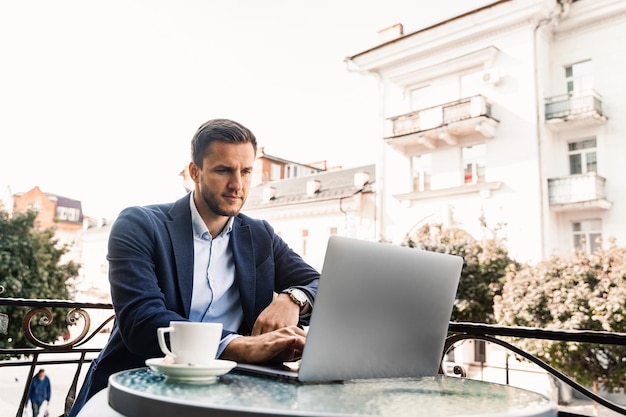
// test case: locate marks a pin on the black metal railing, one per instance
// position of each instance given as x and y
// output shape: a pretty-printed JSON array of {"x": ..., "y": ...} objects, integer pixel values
[
  {"x": 38, "y": 312},
  {"x": 78, "y": 314},
  {"x": 459, "y": 331}
]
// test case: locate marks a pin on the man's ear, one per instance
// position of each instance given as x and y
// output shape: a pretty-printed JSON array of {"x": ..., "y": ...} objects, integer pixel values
[{"x": 194, "y": 172}]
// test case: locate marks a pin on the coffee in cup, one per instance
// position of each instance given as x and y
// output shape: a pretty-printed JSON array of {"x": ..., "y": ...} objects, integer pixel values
[{"x": 191, "y": 343}]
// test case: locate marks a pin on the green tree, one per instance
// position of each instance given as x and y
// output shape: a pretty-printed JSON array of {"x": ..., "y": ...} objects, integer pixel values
[
  {"x": 578, "y": 292},
  {"x": 484, "y": 267},
  {"x": 30, "y": 267}
]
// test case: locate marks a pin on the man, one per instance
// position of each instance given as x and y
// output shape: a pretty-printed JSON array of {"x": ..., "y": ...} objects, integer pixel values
[
  {"x": 199, "y": 259},
  {"x": 39, "y": 391}
]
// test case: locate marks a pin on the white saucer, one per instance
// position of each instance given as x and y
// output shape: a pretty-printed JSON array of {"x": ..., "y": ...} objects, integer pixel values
[{"x": 191, "y": 373}]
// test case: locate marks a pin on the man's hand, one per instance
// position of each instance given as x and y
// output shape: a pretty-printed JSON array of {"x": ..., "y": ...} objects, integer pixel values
[
  {"x": 282, "y": 345},
  {"x": 282, "y": 312}
]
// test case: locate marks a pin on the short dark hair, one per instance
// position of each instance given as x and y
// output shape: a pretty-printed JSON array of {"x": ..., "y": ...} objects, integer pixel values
[{"x": 220, "y": 130}]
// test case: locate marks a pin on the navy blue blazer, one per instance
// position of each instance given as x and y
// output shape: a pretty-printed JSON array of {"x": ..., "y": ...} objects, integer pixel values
[{"x": 150, "y": 256}]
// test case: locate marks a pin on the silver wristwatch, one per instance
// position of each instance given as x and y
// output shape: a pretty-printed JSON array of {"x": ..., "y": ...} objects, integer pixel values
[{"x": 298, "y": 297}]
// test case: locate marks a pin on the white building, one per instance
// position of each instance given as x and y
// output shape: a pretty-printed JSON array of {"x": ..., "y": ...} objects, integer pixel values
[
  {"x": 514, "y": 111},
  {"x": 306, "y": 211}
]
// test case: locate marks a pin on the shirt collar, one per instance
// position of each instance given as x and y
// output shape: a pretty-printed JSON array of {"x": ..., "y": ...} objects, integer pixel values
[{"x": 199, "y": 227}]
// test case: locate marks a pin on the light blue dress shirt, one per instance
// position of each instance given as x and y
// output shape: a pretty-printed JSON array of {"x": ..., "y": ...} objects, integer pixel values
[{"x": 215, "y": 296}]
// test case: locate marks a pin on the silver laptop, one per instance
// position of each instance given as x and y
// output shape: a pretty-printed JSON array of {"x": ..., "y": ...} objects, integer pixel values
[{"x": 381, "y": 311}]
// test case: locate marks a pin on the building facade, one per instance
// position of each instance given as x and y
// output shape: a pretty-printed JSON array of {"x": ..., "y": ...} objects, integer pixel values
[
  {"x": 273, "y": 168},
  {"x": 306, "y": 211},
  {"x": 511, "y": 112},
  {"x": 63, "y": 214}
]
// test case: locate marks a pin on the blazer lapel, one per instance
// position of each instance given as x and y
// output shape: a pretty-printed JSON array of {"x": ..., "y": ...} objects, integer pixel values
[
  {"x": 245, "y": 271},
  {"x": 181, "y": 236}
]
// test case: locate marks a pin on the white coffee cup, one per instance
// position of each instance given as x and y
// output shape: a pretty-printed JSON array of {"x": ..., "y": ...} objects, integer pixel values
[{"x": 192, "y": 343}]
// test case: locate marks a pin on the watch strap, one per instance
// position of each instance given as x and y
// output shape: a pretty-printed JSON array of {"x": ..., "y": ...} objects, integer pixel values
[{"x": 298, "y": 296}]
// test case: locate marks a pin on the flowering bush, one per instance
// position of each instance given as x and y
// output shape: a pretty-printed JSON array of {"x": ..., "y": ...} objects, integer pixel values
[
  {"x": 484, "y": 267},
  {"x": 580, "y": 292}
]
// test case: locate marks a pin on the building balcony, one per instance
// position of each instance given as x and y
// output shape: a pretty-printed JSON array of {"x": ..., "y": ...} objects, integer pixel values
[
  {"x": 423, "y": 130},
  {"x": 578, "y": 192},
  {"x": 569, "y": 110}
]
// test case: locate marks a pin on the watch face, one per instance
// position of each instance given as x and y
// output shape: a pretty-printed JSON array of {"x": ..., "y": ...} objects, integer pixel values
[{"x": 298, "y": 296}]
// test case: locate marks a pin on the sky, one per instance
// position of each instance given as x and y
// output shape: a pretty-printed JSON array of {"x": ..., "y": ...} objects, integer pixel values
[{"x": 99, "y": 99}]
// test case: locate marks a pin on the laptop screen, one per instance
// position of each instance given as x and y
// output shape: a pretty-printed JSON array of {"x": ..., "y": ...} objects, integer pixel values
[{"x": 381, "y": 310}]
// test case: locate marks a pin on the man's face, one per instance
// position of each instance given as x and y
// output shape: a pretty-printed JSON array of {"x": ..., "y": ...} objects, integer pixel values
[{"x": 224, "y": 180}]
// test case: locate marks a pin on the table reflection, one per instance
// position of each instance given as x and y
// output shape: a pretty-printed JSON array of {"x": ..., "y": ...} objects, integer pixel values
[{"x": 254, "y": 395}]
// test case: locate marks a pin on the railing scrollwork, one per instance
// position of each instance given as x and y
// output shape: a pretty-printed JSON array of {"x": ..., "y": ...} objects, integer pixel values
[
  {"x": 73, "y": 317},
  {"x": 40, "y": 313}
]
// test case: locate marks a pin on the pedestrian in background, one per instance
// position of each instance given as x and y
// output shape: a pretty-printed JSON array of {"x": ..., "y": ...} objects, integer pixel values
[{"x": 39, "y": 391}]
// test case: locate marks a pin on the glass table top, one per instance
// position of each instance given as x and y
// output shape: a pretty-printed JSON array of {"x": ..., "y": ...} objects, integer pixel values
[{"x": 139, "y": 392}]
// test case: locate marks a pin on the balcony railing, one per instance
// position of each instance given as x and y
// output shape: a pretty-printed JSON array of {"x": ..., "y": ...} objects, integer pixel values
[
  {"x": 578, "y": 191},
  {"x": 72, "y": 351},
  {"x": 575, "y": 106},
  {"x": 491, "y": 333},
  {"x": 457, "y": 332},
  {"x": 420, "y": 130},
  {"x": 440, "y": 115}
]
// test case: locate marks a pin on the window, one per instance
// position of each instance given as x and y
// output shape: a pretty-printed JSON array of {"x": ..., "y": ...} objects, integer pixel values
[
  {"x": 579, "y": 77},
  {"x": 421, "y": 167},
  {"x": 291, "y": 171},
  {"x": 421, "y": 98},
  {"x": 474, "y": 164},
  {"x": 587, "y": 235},
  {"x": 480, "y": 351},
  {"x": 68, "y": 214},
  {"x": 582, "y": 157},
  {"x": 275, "y": 172}
]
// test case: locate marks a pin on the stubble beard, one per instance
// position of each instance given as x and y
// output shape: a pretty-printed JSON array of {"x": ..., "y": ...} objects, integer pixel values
[{"x": 213, "y": 204}]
